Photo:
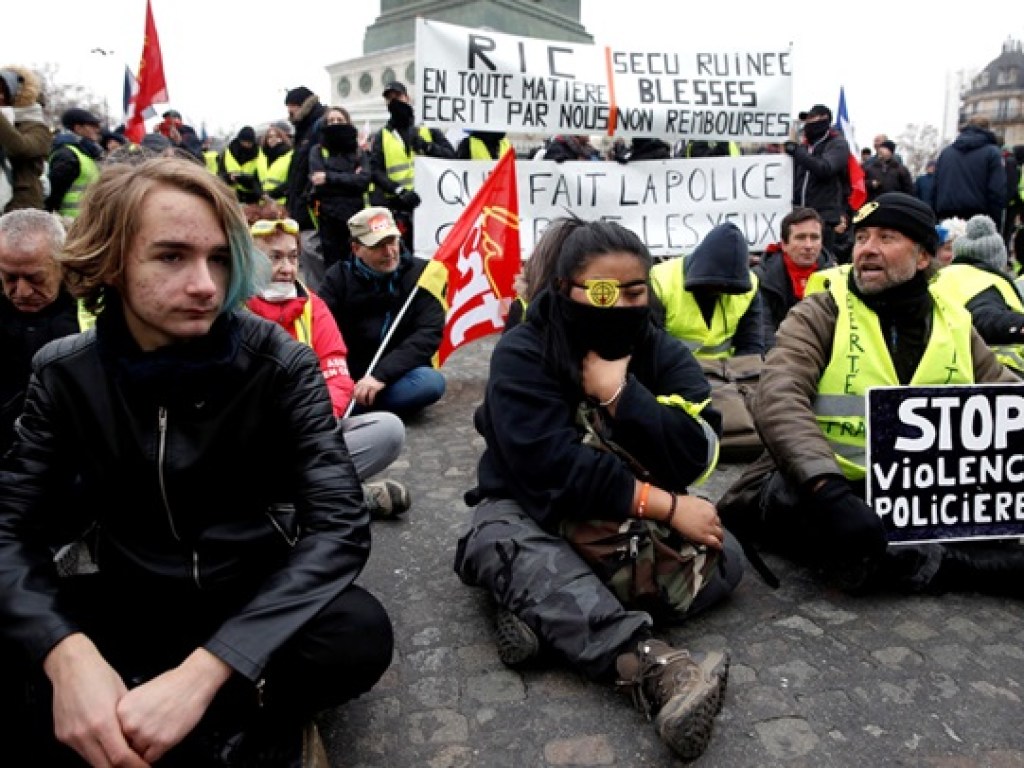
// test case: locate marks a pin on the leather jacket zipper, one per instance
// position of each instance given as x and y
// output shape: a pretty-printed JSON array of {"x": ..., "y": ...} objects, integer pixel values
[{"x": 161, "y": 456}]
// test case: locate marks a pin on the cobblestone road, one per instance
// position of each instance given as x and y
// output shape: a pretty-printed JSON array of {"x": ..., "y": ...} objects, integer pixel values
[{"x": 818, "y": 678}]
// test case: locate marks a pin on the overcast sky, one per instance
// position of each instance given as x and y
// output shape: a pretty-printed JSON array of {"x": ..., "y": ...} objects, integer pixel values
[{"x": 229, "y": 63}]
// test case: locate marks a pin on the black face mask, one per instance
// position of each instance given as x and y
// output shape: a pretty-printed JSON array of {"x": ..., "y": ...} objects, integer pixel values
[
  {"x": 340, "y": 138},
  {"x": 611, "y": 332},
  {"x": 816, "y": 130},
  {"x": 401, "y": 114}
]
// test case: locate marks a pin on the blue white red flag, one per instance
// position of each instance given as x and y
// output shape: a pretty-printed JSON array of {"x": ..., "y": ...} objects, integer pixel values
[{"x": 858, "y": 189}]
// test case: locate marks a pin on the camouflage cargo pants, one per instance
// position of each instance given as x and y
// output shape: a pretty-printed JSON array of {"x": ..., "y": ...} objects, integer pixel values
[{"x": 539, "y": 577}]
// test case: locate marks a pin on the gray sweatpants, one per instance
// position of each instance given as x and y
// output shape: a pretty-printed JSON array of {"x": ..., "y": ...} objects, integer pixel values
[{"x": 374, "y": 441}]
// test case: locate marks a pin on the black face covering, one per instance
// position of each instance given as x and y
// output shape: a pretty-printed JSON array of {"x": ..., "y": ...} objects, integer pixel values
[
  {"x": 401, "y": 114},
  {"x": 340, "y": 138},
  {"x": 816, "y": 130},
  {"x": 611, "y": 332}
]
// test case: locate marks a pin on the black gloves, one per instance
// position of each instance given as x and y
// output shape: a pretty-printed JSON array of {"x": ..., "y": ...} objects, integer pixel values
[
  {"x": 419, "y": 145},
  {"x": 790, "y": 147},
  {"x": 408, "y": 199},
  {"x": 849, "y": 527}
]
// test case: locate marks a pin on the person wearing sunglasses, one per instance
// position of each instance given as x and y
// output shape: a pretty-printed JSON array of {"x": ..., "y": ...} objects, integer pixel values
[
  {"x": 196, "y": 443},
  {"x": 375, "y": 439}
]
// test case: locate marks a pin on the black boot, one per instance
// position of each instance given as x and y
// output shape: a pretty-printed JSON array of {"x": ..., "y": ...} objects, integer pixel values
[{"x": 993, "y": 569}]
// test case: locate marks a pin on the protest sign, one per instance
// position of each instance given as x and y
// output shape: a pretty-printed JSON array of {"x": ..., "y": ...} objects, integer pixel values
[
  {"x": 483, "y": 80},
  {"x": 947, "y": 463},
  {"x": 670, "y": 204}
]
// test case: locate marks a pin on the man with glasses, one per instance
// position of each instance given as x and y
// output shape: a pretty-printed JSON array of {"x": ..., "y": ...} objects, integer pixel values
[{"x": 374, "y": 440}]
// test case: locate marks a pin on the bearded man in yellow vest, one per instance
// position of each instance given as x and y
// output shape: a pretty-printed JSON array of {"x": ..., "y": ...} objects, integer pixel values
[
  {"x": 711, "y": 297},
  {"x": 74, "y": 159},
  {"x": 978, "y": 280},
  {"x": 876, "y": 324},
  {"x": 392, "y": 150}
]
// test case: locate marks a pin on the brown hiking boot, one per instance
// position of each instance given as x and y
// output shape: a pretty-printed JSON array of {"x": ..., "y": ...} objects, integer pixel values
[{"x": 684, "y": 690}]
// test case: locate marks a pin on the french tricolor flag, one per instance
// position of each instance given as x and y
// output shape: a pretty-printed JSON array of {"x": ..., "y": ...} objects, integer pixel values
[{"x": 858, "y": 190}]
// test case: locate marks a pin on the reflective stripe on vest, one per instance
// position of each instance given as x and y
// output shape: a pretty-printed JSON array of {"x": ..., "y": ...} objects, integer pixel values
[
  {"x": 685, "y": 321},
  {"x": 88, "y": 172},
  {"x": 962, "y": 283},
  {"x": 860, "y": 360},
  {"x": 478, "y": 150}
]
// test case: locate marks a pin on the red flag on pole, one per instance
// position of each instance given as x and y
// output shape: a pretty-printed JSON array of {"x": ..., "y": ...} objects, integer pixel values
[
  {"x": 478, "y": 261},
  {"x": 151, "y": 80}
]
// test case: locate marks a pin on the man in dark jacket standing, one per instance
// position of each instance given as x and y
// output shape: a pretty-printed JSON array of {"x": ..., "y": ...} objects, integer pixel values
[
  {"x": 199, "y": 446},
  {"x": 304, "y": 112},
  {"x": 366, "y": 295},
  {"x": 74, "y": 161},
  {"x": 820, "y": 177},
  {"x": 969, "y": 175}
]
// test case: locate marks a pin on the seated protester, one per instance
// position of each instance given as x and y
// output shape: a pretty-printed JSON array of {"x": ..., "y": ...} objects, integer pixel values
[
  {"x": 35, "y": 307},
  {"x": 225, "y": 513},
  {"x": 374, "y": 440},
  {"x": 977, "y": 279},
  {"x": 877, "y": 323},
  {"x": 365, "y": 294},
  {"x": 595, "y": 420},
  {"x": 782, "y": 276},
  {"x": 948, "y": 231},
  {"x": 711, "y": 297}
]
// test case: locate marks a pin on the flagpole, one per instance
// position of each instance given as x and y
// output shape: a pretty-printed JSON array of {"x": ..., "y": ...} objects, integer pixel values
[{"x": 387, "y": 337}]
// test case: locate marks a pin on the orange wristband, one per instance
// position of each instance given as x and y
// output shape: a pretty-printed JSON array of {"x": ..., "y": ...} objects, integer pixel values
[{"x": 641, "y": 506}]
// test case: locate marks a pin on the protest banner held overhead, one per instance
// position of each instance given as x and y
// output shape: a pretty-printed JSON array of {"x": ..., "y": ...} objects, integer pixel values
[
  {"x": 947, "y": 463},
  {"x": 484, "y": 80},
  {"x": 670, "y": 204}
]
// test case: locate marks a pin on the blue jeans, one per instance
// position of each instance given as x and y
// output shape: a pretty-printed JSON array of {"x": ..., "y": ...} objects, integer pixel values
[{"x": 413, "y": 392}]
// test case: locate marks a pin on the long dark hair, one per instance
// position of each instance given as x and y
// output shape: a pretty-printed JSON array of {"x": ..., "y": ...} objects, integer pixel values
[{"x": 577, "y": 242}]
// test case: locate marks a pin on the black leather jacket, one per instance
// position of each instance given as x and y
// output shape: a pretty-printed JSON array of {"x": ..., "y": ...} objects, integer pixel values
[{"x": 214, "y": 477}]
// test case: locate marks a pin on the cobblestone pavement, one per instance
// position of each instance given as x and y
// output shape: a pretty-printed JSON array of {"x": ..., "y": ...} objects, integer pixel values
[{"x": 818, "y": 678}]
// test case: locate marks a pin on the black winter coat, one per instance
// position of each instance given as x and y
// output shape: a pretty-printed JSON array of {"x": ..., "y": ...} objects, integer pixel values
[
  {"x": 970, "y": 177},
  {"x": 535, "y": 454},
  {"x": 213, "y": 470},
  {"x": 365, "y": 304},
  {"x": 821, "y": 177},
  {"x": 348, "y": 178}
]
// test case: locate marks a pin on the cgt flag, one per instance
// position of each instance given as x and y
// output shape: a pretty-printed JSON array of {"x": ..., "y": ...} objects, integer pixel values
[
  {"x": 858, "y": 189},
  {"x": 152, "y": 85},
  {"x": 478, "y": 262}
]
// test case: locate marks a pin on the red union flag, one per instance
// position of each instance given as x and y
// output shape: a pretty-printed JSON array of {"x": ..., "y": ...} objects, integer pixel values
[
  {"x": 478, "y": 261},
  {"x": 152, "y": 85}
]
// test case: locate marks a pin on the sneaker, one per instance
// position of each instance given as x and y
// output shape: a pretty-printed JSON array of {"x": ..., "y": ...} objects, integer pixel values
[
  {"x": 685, "y": 691},
  {"x": 517, "y": 643},
  {"x": 386, "y": 499}
]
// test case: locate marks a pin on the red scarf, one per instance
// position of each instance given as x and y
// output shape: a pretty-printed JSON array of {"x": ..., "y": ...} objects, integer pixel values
[{"x": 798, "y": 275}]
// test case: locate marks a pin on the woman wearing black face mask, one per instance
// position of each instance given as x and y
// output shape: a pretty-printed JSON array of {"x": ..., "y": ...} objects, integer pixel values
[
  {"x": 340, "y": 174},
  {"x": 593, "y": 414}
]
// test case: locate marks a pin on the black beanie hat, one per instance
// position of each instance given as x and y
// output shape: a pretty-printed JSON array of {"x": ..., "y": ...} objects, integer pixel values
[
  {"x": 904, "y": 213},
  {"x": 297, "y": 96},
  {"x": 247, "y": 134}
]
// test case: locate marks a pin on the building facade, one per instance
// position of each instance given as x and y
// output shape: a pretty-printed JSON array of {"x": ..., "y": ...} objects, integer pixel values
[{"x": 997, "y": 92}]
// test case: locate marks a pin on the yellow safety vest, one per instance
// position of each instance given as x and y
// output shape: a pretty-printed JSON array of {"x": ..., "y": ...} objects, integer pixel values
[
  {"x": 210, "y": 158},
  {"x": 961, "y": 283},
  {"x": 86, "y": 319},
  {"x": 398, "y": 158},
  {"x": 685, "y": 321},
  {"x": 821, "y": 280},
  {"x": 231, "y": 165},
  {"x": 276, "y": 173},
  {"x": 88, "y": 172},
  {"x": 860, "y": 360},
  {"x": 478, "y": 150}
]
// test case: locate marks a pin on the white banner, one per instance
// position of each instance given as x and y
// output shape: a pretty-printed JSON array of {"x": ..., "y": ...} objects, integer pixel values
[
  {"x": 484, "y": 80},
  {"x": 670, "y": 204}
]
